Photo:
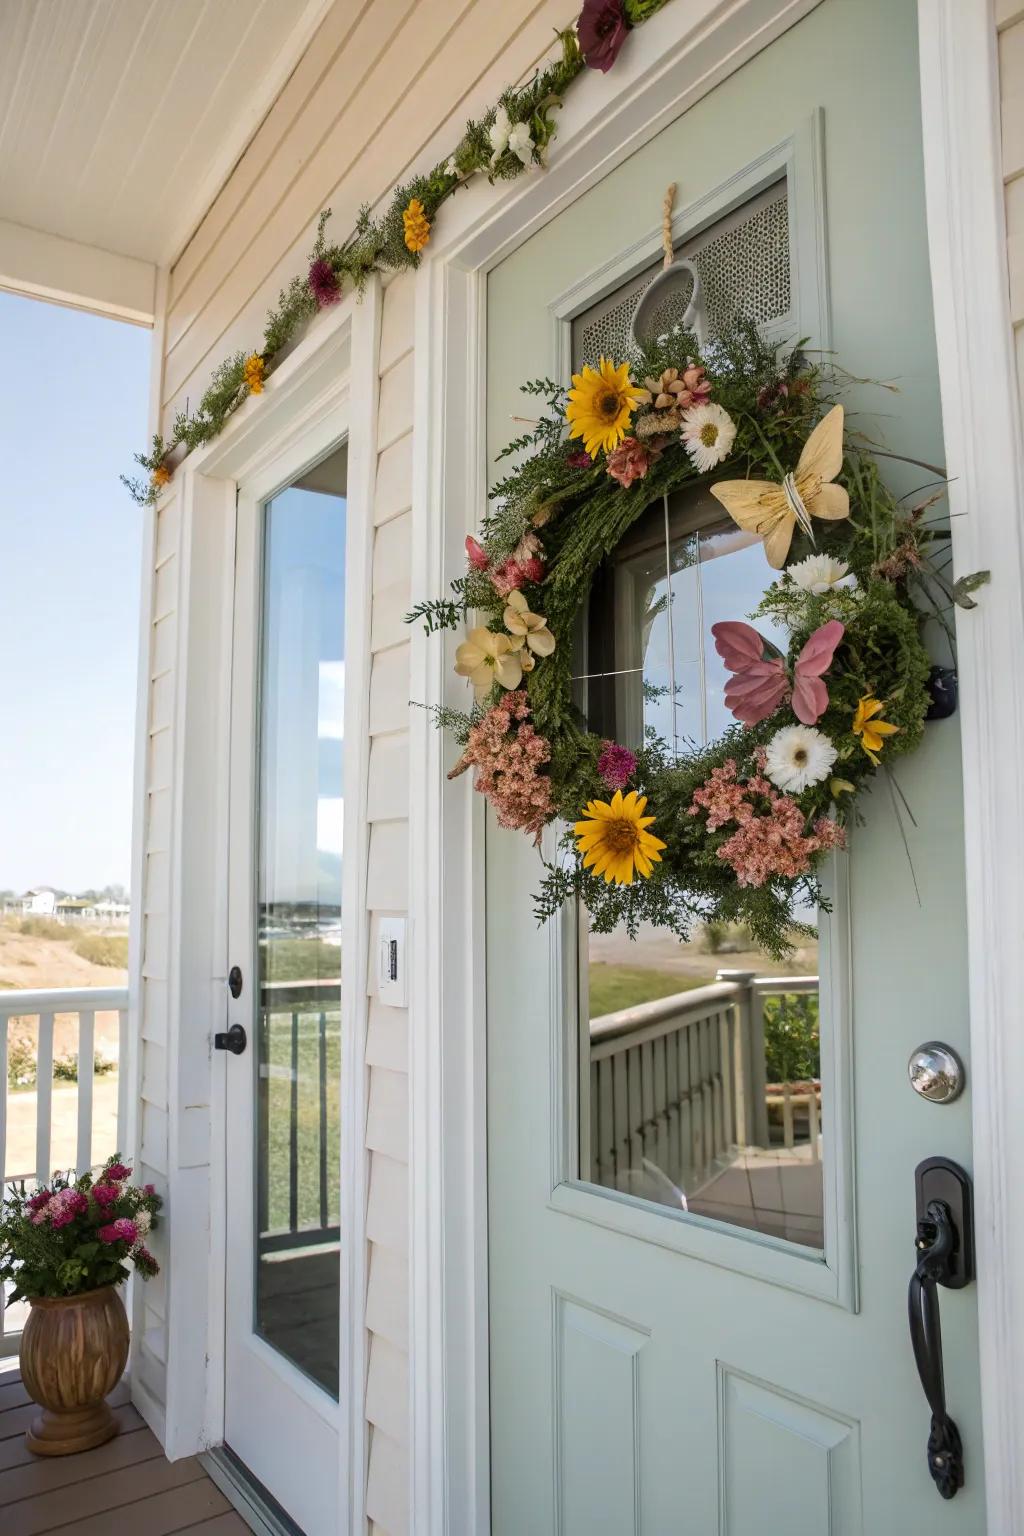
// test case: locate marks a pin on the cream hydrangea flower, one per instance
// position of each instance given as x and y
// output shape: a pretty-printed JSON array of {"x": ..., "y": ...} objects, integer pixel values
[
  {"x": 520, "y": 143},
  {"x": 708, "y": 433},
  {"x": 819, "y": 574},
  {"x": 486, "y": 658},
  {"x": 797, "y": 757},
  {"x": 530, "y": 629}
]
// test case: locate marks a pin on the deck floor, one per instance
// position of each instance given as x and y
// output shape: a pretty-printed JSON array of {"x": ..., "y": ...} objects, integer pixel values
[{"x": 120, "y": 1489}]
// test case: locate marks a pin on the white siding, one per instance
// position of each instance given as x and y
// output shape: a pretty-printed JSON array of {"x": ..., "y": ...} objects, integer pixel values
[
  {"x": 384, "y": 89},
  {"x": 1010, "y": 21}
]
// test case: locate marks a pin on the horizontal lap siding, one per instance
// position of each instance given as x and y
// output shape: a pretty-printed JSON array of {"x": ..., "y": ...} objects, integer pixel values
[{"x": 383, "y": 89}]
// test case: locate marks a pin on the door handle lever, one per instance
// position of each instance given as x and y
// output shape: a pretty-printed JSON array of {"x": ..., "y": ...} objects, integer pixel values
[
  {"x": 233, "y": 1040},
  {"x": 944, "y": 1248}
]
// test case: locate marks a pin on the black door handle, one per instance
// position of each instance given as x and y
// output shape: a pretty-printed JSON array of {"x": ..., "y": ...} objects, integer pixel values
[
  {"x": 944, "y": 1247},
  {"x": 233, "y": 1040}
]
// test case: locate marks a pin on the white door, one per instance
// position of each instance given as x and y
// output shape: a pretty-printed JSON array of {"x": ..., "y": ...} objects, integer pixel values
[
  {"x": 701, "y": 1189},
  {"x": 283, "y": 1303}
]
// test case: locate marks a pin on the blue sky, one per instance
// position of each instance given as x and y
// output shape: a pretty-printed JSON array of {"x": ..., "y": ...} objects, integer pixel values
[{"x": 73, "y": 409}]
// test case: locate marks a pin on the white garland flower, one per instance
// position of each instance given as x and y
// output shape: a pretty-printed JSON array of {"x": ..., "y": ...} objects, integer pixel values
[
  {"x": 797, "y": 757},
  {"x": 143, "y": 1221},
  {"x": 819, "y": 574},
  {"x": 708, "y": 433},
  {"x": 505, "y": 134}
]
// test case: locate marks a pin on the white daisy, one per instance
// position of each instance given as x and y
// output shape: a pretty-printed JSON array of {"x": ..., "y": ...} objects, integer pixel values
[
  {"x": 820, "y": 574},
  {"x": 708, "y": 433},
  {"x": 797, "y": 757}
]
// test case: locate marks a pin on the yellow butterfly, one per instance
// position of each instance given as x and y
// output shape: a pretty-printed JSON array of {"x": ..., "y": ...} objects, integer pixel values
[{"x": 772, "y": 511}]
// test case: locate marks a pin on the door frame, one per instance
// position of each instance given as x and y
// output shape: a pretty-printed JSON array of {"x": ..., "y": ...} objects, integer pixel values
[
  {"x": 325, "y": 390},
  {"x": 668, "y": 65}
]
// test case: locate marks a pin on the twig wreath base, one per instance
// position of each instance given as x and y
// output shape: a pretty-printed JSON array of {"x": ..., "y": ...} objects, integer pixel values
[{"x": 737, "y": 830}]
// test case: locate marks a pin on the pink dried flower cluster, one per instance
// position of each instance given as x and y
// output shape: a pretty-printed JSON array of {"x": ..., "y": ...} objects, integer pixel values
[
  {"x": 628, "y": 462},
  {"x": 124, "y": 1230},
  {"x": 62, "y": 1208},
  {"x": 508, "y": 755},
  {"x": 524, "y": 564},
  {"x": 768, "y": 843},
  {"x": 616, "y": 765},
  {"x": 323, "y": 283}
]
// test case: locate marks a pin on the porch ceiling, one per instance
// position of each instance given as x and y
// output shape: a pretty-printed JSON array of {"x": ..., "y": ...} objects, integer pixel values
[{"x": 121, "y": 119}]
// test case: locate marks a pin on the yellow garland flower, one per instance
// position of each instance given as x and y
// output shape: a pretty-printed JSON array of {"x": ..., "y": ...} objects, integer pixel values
[
  {"x": 486, "y": 658},
  {"x": 601, "y": 402},
  {"x": 870, "y": 729},
  {"x": 417, "y": 225},
  {"x": 161, "y": 476},
  {"x": 614, "y": 840},
  {"x": 255, "y": 373}
]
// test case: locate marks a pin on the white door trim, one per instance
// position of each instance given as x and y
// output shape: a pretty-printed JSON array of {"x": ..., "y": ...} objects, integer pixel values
[
  {"x": 305, "y": 407},
  {"x": 671, "y": 62},
  {"x": 981, "y": 421}
]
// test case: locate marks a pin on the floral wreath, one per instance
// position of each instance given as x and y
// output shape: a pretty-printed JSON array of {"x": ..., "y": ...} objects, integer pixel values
[{"x": 737, "y": 830}]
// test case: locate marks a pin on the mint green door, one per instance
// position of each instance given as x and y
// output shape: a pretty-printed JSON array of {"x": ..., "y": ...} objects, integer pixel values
[{"x": 702, "y": 1209}]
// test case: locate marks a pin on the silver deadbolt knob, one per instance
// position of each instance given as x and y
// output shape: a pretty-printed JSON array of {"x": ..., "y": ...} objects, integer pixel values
[{"x": 936, "y": 1072}]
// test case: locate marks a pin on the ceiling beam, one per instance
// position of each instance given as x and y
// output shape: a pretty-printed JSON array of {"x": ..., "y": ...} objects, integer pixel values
[{"x": 43, "y": 266}]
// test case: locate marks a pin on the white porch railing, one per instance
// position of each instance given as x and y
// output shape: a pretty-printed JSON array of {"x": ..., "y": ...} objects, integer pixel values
[
  {"x": 46, "y": 1124},
  {"x": 678, "y": 1085}
]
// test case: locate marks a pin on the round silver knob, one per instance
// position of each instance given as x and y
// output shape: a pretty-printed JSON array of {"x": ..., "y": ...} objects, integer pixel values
[{"x": 936, "y": 1072}]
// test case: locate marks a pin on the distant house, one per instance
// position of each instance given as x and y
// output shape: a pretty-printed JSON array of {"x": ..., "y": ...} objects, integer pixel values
[
  {"x": 111, "y": 912},
  {"x": 74, "y": 909},
  {"x": 38, "y": 903}
]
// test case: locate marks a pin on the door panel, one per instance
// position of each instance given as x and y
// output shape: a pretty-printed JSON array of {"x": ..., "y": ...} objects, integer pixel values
[{"x": 652, "y": 1369}]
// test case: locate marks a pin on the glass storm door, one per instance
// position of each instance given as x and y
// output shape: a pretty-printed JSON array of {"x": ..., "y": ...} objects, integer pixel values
[
  {"x": 700, "y": 1163},
  {"x": 283, "y": 1157}
]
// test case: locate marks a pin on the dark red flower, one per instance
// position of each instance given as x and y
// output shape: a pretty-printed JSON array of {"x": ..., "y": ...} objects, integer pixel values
[
  {"x": 580, "y": 459},
  {"x": 323, "y": 282},
  {"x": 602, "y": 29}
]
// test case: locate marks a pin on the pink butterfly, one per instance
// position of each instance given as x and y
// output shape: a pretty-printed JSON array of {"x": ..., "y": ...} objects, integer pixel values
[{"x": 760, "y": 682}]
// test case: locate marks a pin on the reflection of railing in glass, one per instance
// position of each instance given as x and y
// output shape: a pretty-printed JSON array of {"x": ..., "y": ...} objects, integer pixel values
[{"x": 710, "y": 1101}]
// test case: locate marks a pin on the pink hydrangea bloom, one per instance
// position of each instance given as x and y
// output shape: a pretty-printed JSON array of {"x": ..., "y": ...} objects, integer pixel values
[
  {"x": 123, "y": 1230},
  {"x": 39, "y": 1199},
  {"x": 508, "y": 755},
  {"x": 768, "y": 842},
  {"x": 65, "y": 1206},
  {"x": 118, "y": 1171},
  {"x": 628, "y": 462},
  {"x": 105, "y": 1194},
  {"x": 616, "y": 765}
]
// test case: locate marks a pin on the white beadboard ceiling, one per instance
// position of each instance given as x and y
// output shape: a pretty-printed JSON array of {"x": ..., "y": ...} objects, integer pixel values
[{"x": 121, "y": 119}]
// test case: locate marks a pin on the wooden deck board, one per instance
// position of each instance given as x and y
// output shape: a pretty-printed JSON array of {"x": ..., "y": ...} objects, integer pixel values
[{"x": 118, "y": 1489}]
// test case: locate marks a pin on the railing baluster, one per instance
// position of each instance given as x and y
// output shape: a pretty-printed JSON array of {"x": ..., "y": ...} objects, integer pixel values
[
  {"x": 636, "y": 1109},
  {"x": 86, "y": 1065},
  {"x": 647, "y": 1129},
  {"x": 602, "y": 1109},
  {"x": 725, "y": 1056},
  {"x": 44, "y": 1095},
  {"x": 788, "y": 1138},
  {"x": 323, "y": 1118},
  {"x": 661, "y": 1105},
  {"x": 675, "y": 1171},
  {"x": 620, "y": 1093},
  {"x": 293, "y": 1132}
]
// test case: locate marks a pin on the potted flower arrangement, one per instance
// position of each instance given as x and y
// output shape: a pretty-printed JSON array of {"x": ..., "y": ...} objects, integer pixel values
[{"x": 65, "y": 1248}]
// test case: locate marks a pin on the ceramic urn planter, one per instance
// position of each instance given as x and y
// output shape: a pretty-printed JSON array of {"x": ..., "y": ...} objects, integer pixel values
[{"x": 73, "y": 1352}]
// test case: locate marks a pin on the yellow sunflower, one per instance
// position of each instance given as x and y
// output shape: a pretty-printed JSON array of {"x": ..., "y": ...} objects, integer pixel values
[
  {"x": 601, "y": 402},
  {"x": 870, "y": 729},
  {"x": 614, "y": 839}
]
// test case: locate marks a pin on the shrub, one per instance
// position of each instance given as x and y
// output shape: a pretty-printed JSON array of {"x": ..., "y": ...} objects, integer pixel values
[
  {"x": 102, "y": 948},
  {"x": 791, "y": 1042},
  {"x": 43, "y": 928}
]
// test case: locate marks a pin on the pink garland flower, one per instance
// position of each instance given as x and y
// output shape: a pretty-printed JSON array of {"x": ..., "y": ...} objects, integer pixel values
[
  {"x": 767, "y": 844},
  {"x": 628, "y": 462},
  {"x": 323, "y": 283},
  {"x": 616, "y": 765},
  {"x": 123, "y": 1230},
  {"x": 508, "y": 755},
  {"x": 118, "y": 1171},
  {"x": 602, "y": 29},
  {"x": 105, "y": 1194}
]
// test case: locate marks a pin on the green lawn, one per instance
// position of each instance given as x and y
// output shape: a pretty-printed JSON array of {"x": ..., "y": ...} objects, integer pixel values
[
  {"x": 278, "y": 1111},
  {"x": 623, "y": 986}
]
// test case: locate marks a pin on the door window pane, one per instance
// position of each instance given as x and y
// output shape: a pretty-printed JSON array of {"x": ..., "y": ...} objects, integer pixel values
[
  {"x": 299, "y": 842},
  {"x": 700, "y": 1083}
]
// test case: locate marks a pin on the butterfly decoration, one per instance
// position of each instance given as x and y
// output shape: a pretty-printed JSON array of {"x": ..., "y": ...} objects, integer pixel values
[
  {"x": 760, "y": 682},
  {"x": 773, "y": 510}
]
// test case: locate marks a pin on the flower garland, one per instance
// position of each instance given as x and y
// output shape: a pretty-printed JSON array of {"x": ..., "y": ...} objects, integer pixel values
[
  {"x": 735, "y": 830},
  {"x": 509, "y": 139}
]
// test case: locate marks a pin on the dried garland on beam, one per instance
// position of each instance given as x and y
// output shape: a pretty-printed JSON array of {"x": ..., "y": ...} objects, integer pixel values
[
  {"x": 509, "y": 139},
  {"x": 737, "y": 830}
]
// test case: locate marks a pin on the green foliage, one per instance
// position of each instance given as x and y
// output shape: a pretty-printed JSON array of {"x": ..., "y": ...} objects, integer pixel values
[
  {"x": 791, "y": 1038},
  {"x": 102, "y": 948},
  {"x": 22, "y": 1069},
  {"x": 61, "y": 1240}
]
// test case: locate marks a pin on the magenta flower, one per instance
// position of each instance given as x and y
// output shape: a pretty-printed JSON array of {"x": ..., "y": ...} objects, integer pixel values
[
  {"x": 65, "y": 1206},
  {"x": 616, "y": 765},
  {"x": 121, "y": 1231},
  {"x": 476, "y": 554},
  {"x": 149, "y": 1189},
  {"x": 105, "y": 1194},
  {"x": 602, "y": 29},
  {"x": 580, "y": 459},
  {"x": 323, "y": 283},
  {"x": 118, "y": 1171},
  {"x": 37, "y": 1201}
]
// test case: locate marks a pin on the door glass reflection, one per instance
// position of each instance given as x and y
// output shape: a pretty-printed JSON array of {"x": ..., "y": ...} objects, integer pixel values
[
  {"x": 700, "y": 1084},
  {"x": 299, "y": 845}
]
